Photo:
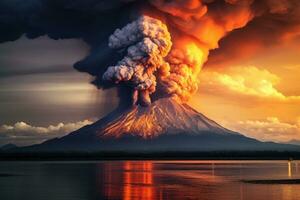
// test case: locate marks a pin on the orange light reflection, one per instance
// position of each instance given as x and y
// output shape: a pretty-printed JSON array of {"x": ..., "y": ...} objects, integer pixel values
[
  {"x": 129, "y": 181},
  {"x": 138, "y": 181}
]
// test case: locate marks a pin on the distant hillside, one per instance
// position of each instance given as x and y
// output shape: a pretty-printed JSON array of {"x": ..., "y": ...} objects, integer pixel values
[
  {"x": 295, "y": 142},
  {"x": 8, "y": 147}
]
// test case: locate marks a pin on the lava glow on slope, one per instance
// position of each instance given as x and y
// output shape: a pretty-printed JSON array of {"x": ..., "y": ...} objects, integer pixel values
[{"x": 164, "y": 116}]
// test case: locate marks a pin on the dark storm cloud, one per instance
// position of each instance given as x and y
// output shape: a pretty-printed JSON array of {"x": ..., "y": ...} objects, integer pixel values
[
  {"x": 40, "y": 56},
  {"x": 90, "y": 20},
  {"x": 58, "y": 18}
]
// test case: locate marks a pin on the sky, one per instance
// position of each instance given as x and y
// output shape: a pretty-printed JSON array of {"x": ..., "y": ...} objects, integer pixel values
[
  {"x": 249, "y": 83},
  {"x": 41, "y": 95},
  {"x": 258, "y": 96}
]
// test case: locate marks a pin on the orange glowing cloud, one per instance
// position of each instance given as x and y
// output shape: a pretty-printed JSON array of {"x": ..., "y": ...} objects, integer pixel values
[
  {"x": 207, "y": 24},
  {"x": 186, "y": 60},
  {"x": 269, "y": 129},
  {"x": 275, "y": 23},
  {"x": 196, "y": 27}
]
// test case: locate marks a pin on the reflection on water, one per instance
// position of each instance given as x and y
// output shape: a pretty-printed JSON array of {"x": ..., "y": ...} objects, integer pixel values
[
  {"x": 289, "y": 169},
  {"x": 138, "y": 181},
  {"x": 147, "y": 180},
  {"x": 134, "y": 180}
]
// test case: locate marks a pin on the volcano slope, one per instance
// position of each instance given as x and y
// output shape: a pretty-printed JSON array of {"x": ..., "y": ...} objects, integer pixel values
[{"x": 165, "y": 125}]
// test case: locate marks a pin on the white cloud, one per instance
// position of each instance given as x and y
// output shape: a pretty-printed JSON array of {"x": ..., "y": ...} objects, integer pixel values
[
  {"x": 24, "y": 134},
  {"x": 270, "y": 129}
]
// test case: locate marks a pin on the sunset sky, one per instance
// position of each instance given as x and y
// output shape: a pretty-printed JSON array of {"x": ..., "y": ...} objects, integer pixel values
[{"x": 249, "y": 84}]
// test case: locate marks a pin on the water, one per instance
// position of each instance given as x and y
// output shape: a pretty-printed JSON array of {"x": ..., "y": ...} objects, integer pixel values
[{"x": 147, "y": 180}]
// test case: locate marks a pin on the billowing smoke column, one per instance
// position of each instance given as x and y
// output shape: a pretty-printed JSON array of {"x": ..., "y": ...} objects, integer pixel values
[
  {"x": 149, "y": 63},
  {"x": 147, "y": 41}
]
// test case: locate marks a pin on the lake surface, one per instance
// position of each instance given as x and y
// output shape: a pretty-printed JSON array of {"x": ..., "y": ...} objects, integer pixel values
[{"x": 147, "y": 180}]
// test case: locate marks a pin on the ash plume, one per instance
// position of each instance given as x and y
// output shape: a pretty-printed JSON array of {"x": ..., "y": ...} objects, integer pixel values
[
  {"x": 147, "y": 41},
  {"x": 162, "y": 50}
]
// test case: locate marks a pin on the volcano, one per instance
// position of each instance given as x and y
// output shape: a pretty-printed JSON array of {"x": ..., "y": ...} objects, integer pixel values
[
  {"x": 165, "y": 125},
  {"x": 163, "y": 117}
]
